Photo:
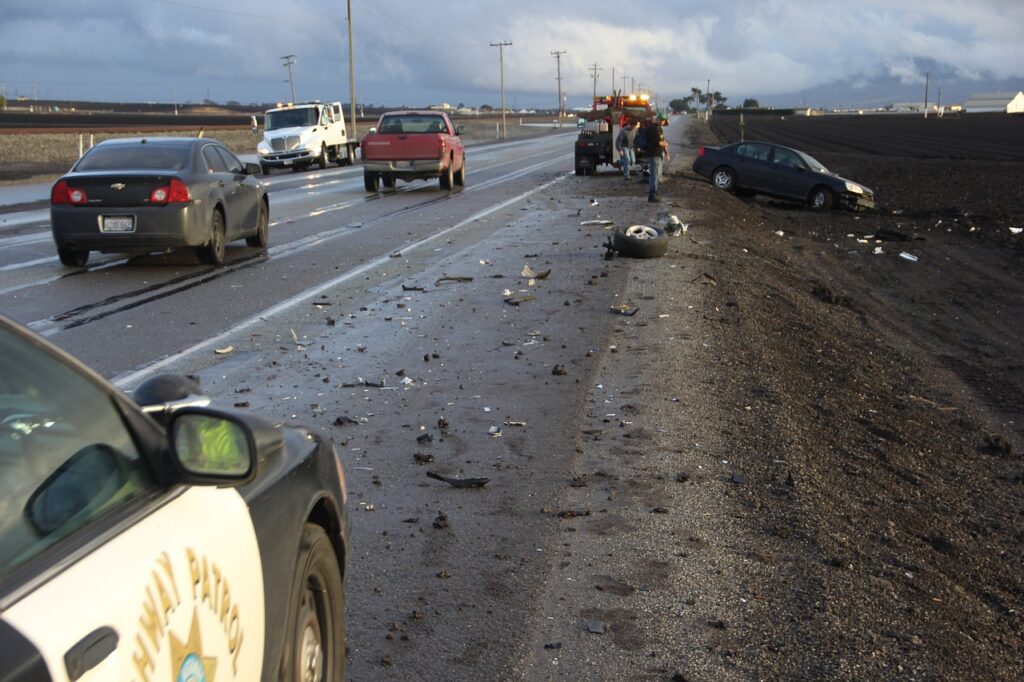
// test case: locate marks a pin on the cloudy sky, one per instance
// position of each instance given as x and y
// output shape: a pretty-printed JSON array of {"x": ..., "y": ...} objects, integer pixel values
[{"x": 854, "y": 52}]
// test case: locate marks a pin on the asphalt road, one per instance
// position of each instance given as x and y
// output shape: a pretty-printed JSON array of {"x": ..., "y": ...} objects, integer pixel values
[{"x": 349, "y": 315}]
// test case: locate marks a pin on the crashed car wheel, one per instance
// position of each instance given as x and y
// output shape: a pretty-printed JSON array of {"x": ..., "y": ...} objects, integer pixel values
[
  {"x": 724, "y": 178},
  {"x": 316, "y": 630},
  {"x": 821, "y": 199},
  {"x": 640, "y": 241}
]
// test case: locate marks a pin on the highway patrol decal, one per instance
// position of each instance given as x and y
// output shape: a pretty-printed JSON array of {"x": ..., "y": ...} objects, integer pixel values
[{"x": 183, "y": 589}]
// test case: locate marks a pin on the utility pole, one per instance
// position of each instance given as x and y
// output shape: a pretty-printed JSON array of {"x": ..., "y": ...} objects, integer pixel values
[
  {"x": 927, "y": 76},
  {"x": 594, "y": 71},
  {"x": 623, "y": 81},
  {"x": 351, "y": 76},
  {"x": 557, "y": 54},
  {"x": 501, "y": 66},
  {"x": 707, "y": 102},
  {"x": 289, "y": 59},
  {"x": 613, "y": 80},
  {"x": 632, "y": 84}
]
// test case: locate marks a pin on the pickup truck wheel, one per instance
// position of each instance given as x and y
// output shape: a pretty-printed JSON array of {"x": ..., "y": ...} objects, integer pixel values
[
  {"x": 371, "y": 181},
  {"x": 388, "y": 180},
  {"x": 447, "y": 178},
  {"x": 460, "y": 177}
]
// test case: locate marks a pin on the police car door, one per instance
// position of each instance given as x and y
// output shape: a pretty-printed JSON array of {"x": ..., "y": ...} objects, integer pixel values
[{"x": 104, "y": 574}]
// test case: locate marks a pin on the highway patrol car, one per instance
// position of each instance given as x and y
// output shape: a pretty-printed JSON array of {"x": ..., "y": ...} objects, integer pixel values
[{"x": 188, "y": 543}]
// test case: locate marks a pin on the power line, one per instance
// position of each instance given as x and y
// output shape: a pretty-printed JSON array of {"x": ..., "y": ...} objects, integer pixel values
[{"x": 211, "y": 9}]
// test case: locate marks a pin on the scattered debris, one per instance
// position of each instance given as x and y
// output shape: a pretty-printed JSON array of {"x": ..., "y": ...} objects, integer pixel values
[
  {"x": 887, "y": 235},
  {"x": 559, "y": 371},
  {"x": 779, "y": 233},
  {"x": 422, "y": 458},
  {"x": 345, "y": 420},
  {"x": 908, "y": 256},
  {"x": 625, "y": 309},
  {"x": 424, "y": 438},
  {"x": 597, "y": 222},
  {"x": 223, "y": 351},
  {"x": 1016, "y": 230},
  {"x": 519, "y": 298},
  {"x": 452, "y": 278},
  {"x": 441, "y": 521},
  {"x": 738, "y": 478},
  {"x": 705, "y": 278},
  {"x": 494, "y": 432},
  {"x": 995, "y": 444},
  {"x": 596, "y": 627},
  {"x": 553, "y": 645},
  {"x": 442, "y": 423},
  {"x": 660, "y": 510},
  {"x": 459, "y": 482},
  {"x": 406, "y": 287},
  {"x": 529, "y": 272},
  {"x": 514, "y": 423}
]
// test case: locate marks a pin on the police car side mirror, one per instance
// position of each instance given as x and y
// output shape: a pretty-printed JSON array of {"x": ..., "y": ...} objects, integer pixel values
[{"x": 216, "y": 447}]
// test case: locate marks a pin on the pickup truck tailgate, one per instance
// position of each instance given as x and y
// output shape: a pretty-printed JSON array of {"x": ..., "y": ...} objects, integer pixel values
[{"x": 384, "y": 146}]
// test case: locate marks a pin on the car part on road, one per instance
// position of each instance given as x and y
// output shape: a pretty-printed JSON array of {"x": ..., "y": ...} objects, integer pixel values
[
  {"x": 460, "y": 482},
  {"x": 640, "y": 241}
]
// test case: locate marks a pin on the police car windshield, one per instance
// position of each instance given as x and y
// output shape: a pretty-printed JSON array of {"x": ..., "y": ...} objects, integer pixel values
[{"x": 291, "y": 118}]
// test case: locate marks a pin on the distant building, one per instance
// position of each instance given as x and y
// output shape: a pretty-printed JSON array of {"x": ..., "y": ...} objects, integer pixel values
[
  {"x": 444, "y": 106},
  {"x": 1006, "y": 102}
]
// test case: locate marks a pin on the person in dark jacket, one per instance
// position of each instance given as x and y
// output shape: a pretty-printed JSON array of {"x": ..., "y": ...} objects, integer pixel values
[
  {"x": 657, "y": 154},
  {"x": 624, "y": 143}
]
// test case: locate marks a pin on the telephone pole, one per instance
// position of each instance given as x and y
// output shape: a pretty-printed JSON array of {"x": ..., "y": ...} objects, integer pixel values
[
  {"x": 501, "y": 66},
  {"x": 927, "y": 77},
  {"x": 557, "y": 54},
  {"x": 594, "y": 71},
  {"x": 289, "y": 59},
  {"x": 351, "y": 77},
  {"x": 623, "y": 82}
]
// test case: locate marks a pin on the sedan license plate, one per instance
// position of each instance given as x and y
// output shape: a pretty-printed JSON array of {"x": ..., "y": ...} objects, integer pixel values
[
  {"x": 287, "y": 162},
  {"x": 117, "y": 223}
]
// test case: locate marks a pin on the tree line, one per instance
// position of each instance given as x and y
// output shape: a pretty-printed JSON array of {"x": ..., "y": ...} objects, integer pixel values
[{"x": 698, "y": 100}]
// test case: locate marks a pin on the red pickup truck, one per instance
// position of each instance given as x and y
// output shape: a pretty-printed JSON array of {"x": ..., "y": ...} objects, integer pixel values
[{"x": 413, "y": 145}]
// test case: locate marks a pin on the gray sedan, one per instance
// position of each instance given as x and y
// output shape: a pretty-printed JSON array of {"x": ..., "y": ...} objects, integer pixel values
[{"x": 140, "y": 195}]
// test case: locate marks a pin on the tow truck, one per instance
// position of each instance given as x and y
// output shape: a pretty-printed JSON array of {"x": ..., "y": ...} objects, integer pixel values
[{"x": 596, "y": 142}]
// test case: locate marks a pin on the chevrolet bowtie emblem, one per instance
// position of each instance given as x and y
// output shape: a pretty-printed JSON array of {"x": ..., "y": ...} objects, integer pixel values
[{"x": 118, "y": 186}]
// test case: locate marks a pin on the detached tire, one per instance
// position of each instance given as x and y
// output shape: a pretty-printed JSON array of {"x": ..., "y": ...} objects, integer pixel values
[
  {"x": 640, "y": 241},
  {"x": 315, "y": 632}
]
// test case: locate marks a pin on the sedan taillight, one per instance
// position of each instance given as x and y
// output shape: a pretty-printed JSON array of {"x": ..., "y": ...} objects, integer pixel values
[
  {"x": 62, "y": 194},
  {"x": 700, "y": 152},
  {"x": 175, "y": 192}
]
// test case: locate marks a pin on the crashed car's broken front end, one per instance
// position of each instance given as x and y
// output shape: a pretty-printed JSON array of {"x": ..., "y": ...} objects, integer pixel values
[{"x": 857, "y": 197}]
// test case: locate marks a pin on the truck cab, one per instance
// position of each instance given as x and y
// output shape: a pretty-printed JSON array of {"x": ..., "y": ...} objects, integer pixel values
[{"x": 298, "y": 135}]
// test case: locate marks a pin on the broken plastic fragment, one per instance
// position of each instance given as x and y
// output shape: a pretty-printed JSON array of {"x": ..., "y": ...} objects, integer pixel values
[
  {"x": 1016, "y": 230},
  {"x": 223, "y": 351},
  {"x": 908, "y": 256},
  {"x": 494, "y": 432},
  {"x": 625, "y": 309},
  {"x": 597, "y": 222}
]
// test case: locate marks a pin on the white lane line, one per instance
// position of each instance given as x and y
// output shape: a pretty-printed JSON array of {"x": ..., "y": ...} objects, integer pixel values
[
  {"x": 132, "y": 378},
  {"x": 24, "y": 218}
]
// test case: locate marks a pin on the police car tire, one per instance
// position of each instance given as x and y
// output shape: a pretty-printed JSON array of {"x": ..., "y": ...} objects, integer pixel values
[{"x": 317, "y": 604}]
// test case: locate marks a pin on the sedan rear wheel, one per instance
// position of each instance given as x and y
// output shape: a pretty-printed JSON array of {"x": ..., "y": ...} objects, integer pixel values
[
  {"x": 213, "y": 252},
  {"x": 262, "y": 236},
  {"x": 724, "y": 178},
  {"x": 821, "y": 199},
  {"x": 72, "y": 257}
]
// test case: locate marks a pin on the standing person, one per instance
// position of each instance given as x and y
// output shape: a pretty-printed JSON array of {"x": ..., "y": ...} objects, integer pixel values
[
  {"x": 656, "y": 150},
  {"x": 624, "y": 143}
]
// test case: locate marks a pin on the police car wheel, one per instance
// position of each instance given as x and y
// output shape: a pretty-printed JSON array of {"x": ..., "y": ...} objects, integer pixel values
[{"x": 316, "y": 643}]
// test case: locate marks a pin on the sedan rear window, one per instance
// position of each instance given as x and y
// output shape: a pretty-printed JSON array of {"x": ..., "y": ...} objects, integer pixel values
[{"x": 134, "y": 157}]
